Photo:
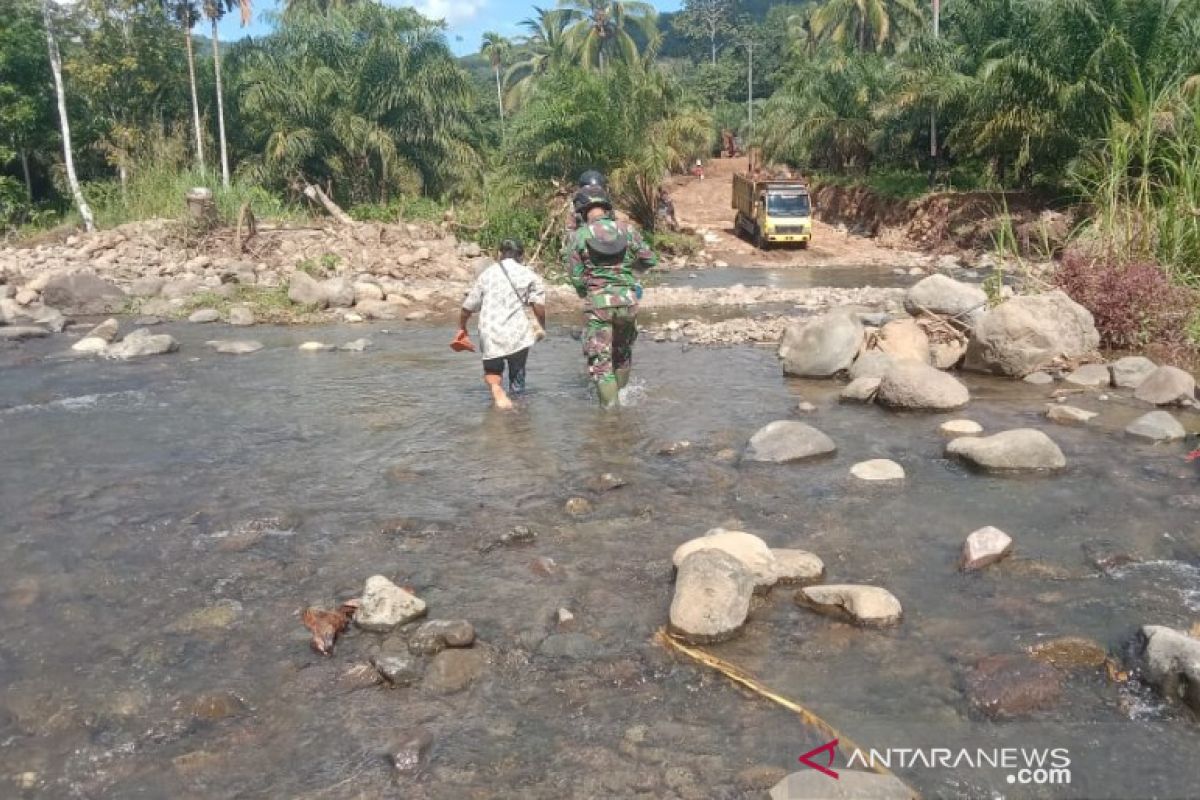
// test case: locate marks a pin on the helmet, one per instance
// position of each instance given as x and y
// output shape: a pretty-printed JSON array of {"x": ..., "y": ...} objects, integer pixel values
[
  {"x": 512, "y": 248},
  {"x": 606, "y": 243},
  {"x": 592, "y": 178},
  {"x": 588, "y": 198}
]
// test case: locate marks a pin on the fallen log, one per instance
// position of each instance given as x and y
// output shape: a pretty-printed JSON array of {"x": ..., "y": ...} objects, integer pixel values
[{"x": 314, "y": 193}]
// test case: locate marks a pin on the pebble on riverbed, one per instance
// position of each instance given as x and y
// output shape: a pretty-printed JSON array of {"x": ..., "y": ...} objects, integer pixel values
[
  {"x": 1157, "y": 426},
  {"x": 1024, "y": 449},
  {"x": 985, "y": 547},
  {"x": 869, "y": 606},
  {"x": 960, "y": 427},
  {"x": 1069, "y": 415},
  {"x": 399, "y": 669},
  {"x": 786, "y": 440},
  {"x": 384, "y": 606},
  {"x": 712, "y": 597},
  {"x": 410, "y": 749},
  {"x": 878, "y": 470},
  {"x": 436, "y": 635}
]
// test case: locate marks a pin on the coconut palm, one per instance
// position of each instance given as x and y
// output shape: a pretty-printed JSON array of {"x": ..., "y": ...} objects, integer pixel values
[
  {"x": 185, "y": 13},
  {"x": 497, "y": 49},
  {"x": 214, "y": 10},
  {"x": 544, "y": 47},
  {"x": 603, "y": 30},
  {"x": 871, "y": 25}
]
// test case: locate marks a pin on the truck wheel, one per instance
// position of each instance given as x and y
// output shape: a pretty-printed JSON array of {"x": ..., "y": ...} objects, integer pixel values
[
  {"x": 760, "y": 241},
  {"x": 804, "y": 245}
]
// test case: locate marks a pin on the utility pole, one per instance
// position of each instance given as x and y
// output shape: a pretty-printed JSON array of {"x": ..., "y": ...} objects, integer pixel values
[{"x": 933, "y": 137}]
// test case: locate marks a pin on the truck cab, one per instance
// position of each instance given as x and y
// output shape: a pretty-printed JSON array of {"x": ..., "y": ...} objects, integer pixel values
[{"x": 771, "y": 211}]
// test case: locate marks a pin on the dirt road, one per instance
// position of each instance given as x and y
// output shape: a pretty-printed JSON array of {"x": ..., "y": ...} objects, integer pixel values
[{"x": 704, "y": 205}]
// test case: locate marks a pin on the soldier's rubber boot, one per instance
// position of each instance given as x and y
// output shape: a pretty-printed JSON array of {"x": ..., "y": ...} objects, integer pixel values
[
  {"x": 609, "y": 392},
  {"x": 623, "y": 375}
]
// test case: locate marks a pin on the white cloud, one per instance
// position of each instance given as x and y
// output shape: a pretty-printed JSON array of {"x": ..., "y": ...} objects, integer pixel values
[{"x": 455, "y": 12}]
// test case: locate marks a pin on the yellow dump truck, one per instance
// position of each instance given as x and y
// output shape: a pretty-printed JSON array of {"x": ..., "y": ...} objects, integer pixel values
[{"x": 772, "y": 210}]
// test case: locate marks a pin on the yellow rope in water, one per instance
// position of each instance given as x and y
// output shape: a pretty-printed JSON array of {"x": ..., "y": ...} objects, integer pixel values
[{"x": 738, "y": 676}]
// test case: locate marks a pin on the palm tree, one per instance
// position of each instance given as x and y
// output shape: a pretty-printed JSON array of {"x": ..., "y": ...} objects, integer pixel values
[
  {"x": 185, "y": 13},
  {"x": 546, "y": 46},
  {"x": 598, "y": 28},
  {"x": 497, "y": 49},
  {"x": 873, "y": 24},
  {"x": 214, "y": 10},
  {"x": 85, "y": 210}
]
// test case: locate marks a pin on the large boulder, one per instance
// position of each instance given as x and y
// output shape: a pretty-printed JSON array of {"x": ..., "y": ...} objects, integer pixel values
[
  {"x": 1170, "y": 661},
  {"x": 1025, "y": 334},
  {"x": 871, "y": 364},
  {"x": 904, "y": 339},
  {"x": 306, "y": 291},
  {"x": 712, "y": 597},
  {"x": 945, "y": 296},
  {"x": 788, "y": 440},
  {"x": 822, "y": 346},
  {"x": 339, "y": 292},
  {"x": 83, "y": 293},
  {"x": 983, "y": 548},
  {"x": 747, "y": 548},
  {"x": 870, "y": 606},
  {"x": 912, "y": 385},
  {"x": 1130, "y": 371},
  {"x": 1021, "y": 449},
  {"x": 1157, "y": 426},
  {"x": 1167, "y": 386},
  {"x": 141, "y": 343}
]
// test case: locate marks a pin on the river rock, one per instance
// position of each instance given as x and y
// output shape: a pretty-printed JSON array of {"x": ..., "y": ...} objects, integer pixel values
[
  {"x": 1069, "y": 415},
  {"x": 140, "y": 343},
  {"x": 453, "y": 670},
  {"x": 879, "y": 469},
  {"x": 871, "y": 364},
  {"x": 205, "y": 315},
  {"x": 1070, "y": 652},
  {"x": 356, "y": 346},
  {"x": 578, "y": 506},
  {"x": 339, "y": 292},
  {"x": 946, "y": 354},
  {"x": 1039, "y": 378},
  {"x": 787, "y": 440},
  {"x": 398, "y": 669},
  {"x": 410, "y": 750},
  {"x": 1167, "y": 386},
  {"x": 851, "y": 784},
  {"x": 367, "y": 291},
  {"x": 26, "y": 297},
  {"x": 146, "y": 287},
  {"x": 1021, "y": 449},
  {"x": 1006, "y": 686},
  {"x": 1130, "y": 371},
  {"x": 384, "y": 606},
  {"x": 869, "y": 606},
  {"x": 236, "y": 347},
  {"x": 860, "y": 390},
  {"x": 985, "y": 547},
  {"x": 1170, "y": 661},
  {"x": 91, "y": 345},
  {"x": 712, "y": 597},
  {"x": 436, "y": 635},
  {"x": 946, "y": 296},
  {"x": 1157, "y": 426},
  {"x": 1028, "y": 333},
  {"x": 796, "y": 567},
  {"x": 106, "y": 331},
  {"x": 180, "y": 289},
  {"x": 18, "y": 333},
  {"x": 747, "y": 548},
  {"x": 241, "y": 316},
  {"x": 960, "y": 427},
  {"x": 83, "y": 293},
  {"x": 1091, "y": 375},
  {"x": 306, "y": 291},
  {"x": 904, "y": 340},
  {"x": 910, "y": 385},
  {"x": 821, "y": 347}
]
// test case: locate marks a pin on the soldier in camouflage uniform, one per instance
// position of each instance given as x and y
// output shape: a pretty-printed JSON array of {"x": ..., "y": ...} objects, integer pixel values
[{"x": 600, "y": 258}]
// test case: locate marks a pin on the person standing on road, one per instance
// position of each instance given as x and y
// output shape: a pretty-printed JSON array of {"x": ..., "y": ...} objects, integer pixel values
[
  {"x": 600, "y": 260},
  {"x": 501, "y": 294}
]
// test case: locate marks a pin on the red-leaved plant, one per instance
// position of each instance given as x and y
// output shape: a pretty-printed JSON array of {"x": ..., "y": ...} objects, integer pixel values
[{"x": 1134, "y": 305}]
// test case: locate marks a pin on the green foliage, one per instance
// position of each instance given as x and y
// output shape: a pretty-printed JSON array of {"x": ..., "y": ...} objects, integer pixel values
[
  {"x": 678, "y": 244},
  {"x": 409, "y": 209},
  {"x": 603, "y": 32}
]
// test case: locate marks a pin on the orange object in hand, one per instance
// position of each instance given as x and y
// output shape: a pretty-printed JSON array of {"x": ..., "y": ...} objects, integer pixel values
[{"x": 462, "y": 342}]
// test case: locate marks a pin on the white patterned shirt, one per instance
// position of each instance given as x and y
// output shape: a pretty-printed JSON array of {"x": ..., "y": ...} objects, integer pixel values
[{"x": 504, "y": 326}]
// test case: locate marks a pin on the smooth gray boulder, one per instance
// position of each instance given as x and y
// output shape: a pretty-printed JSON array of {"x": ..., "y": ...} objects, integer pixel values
[
  {"x": 385, "y": 606},
  {"x": 747, "y": 548},
  {"x": 787, "y": 440},
  {"x": 712, "y": 597},
  {"x": 1029, "y": 333},
  {"x": 1170, "y": 661},
  {"x": 904, "y": 339},
  {"x": 204, "y": 316},
  {"x": 871, "y": 364},
  {"x": 878, "y": 469},
  {"x": 797, "y": 567},
  {"x": 1020, "y": 449},
  {"x": 241, "y": 316},
  {"x": 869, "y": 606},
  {"x": 83, "y": 293},
  {"x": 946, "y": 296},
  {"x": 960, "y": 427},
  {"x": 822, "y": 346},
  {"x": 141, "y": 343},
  {"x": 1069, "y": 415},
  {"x": 984, "y": 547},
  {"x": 1091, "y": 375},
  {"x": 911, "y": 385},
  {"x": 306, "y": 291},
  {"x": 339, "y": 292},
  {"x": 18, "y": 333},
  {"x": 236, "y": 347},
  {"x": 860, "y": 390},
  {"x": 1130, "y": 371},
  {"x": 1157, "y": 426},
  {"x": 1167, "y": 386}
]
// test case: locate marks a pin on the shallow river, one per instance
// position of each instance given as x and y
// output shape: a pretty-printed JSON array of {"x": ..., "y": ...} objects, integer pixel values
[{"x": 163, "y": 521}]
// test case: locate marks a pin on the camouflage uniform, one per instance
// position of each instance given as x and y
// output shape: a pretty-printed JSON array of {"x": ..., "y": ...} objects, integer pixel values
[{"x": 600, "y": 259}]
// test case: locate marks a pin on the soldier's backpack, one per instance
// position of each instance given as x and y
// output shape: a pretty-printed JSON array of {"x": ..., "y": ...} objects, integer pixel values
[{"x": 606, "y": 243}]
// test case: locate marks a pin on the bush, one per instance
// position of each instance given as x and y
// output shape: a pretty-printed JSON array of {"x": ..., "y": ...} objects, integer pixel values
[
  {"x": 675, "y": 244},
  {"x": 1134, "y": 305}
]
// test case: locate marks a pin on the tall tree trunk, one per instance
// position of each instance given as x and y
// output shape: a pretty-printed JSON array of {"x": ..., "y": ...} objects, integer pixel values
[
  {"x": 25, "y": 169},
  {"x": 216, "y": 44},
  {"x": 68, "y": 157},
  {"x": 500, "y": 99},
  {"x": 191, "y": 60}
]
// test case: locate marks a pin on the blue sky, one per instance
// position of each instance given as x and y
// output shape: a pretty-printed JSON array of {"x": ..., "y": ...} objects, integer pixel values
[{"x": 467, "y": 19}]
